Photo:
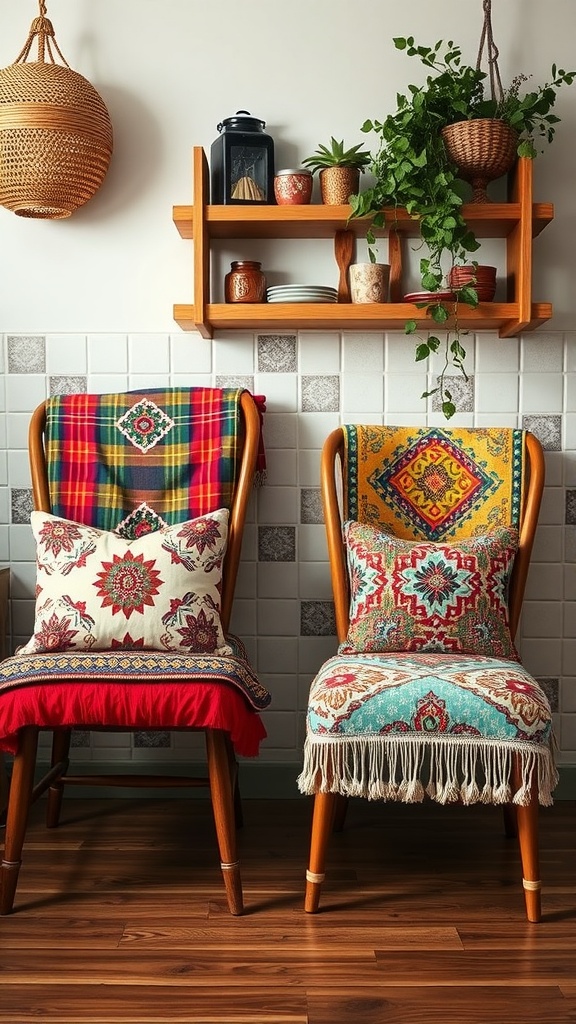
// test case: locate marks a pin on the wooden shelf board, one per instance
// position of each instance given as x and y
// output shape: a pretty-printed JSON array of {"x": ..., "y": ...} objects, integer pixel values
[
  {"x": 492, "y": 316},
  {"x": 493, "y": 220}
]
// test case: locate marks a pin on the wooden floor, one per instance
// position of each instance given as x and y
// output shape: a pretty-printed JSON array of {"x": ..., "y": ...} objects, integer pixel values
[{"x": 120, "y": 917}]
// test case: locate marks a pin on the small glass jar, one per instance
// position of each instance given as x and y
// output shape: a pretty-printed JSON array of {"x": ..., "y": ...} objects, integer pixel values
[
  {"x": 293, "y": 186},
  {"x": 245, "y": 282}
]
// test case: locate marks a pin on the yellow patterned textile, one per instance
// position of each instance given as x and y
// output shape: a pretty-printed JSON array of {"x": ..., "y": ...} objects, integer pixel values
[{"x": 433, "y": 483}]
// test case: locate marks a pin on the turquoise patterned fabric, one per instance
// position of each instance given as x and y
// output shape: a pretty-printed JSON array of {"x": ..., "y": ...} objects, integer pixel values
[
  {"x": 403, "y": 726},
  {"x": 450, "y": 695}
]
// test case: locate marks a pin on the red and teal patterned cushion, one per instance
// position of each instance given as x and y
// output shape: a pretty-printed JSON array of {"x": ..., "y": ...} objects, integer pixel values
[
  {"x": 97, "y": 590},
  {"x": 399, "y": 726},
  {"x": 424, "y": 596}
]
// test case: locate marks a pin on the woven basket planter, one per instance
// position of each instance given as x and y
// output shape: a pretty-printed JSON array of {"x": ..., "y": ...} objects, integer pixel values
[
  {"x": 55, "y": 134},
  {"x": 482, "y": 150}
]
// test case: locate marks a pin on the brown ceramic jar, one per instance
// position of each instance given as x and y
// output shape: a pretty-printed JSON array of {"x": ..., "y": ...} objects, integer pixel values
[{"x": 245, "y": 282}]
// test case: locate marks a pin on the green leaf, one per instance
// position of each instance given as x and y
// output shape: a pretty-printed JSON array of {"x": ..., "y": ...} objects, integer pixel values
[
  {"x": 422, "y": 352},
  {"x": 469, "y": 295},
  {"x": 410, "y": 327},
  {"x": 430, "y": 282},
  {"x": 439, "y": 313}
]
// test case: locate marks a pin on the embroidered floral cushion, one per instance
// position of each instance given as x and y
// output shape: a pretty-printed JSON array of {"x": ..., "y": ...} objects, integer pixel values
[
  {"x": 96, "y": 590},
  {"x": 422, "y": 596}
]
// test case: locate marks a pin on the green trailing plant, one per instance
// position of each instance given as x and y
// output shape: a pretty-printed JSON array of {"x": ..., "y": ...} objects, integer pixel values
[
  {"x": 335, "y": 155},
  {"x": 411, "y": 169}
]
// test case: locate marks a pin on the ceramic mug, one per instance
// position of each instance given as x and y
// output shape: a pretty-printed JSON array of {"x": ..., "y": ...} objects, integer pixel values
[{"x": 369, "y": 282}]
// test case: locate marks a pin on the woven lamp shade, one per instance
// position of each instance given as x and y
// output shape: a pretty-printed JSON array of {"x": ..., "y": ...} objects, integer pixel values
[{"x": 55, "y": 133}]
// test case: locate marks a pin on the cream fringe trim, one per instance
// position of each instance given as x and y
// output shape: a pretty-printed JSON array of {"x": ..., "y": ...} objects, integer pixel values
[{"x": 408, "y": 768}]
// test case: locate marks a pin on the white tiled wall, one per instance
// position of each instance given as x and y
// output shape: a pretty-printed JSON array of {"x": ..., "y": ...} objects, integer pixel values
[{"x": 313, "y": 382}]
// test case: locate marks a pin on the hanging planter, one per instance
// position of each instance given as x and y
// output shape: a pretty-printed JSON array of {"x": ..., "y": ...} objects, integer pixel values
[{"x": 55, "y": 132}]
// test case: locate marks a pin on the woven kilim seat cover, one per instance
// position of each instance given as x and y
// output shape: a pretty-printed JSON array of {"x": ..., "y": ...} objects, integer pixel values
[
  {"x": 400, "y": 726},
  {"x": 132, "y": 463}
]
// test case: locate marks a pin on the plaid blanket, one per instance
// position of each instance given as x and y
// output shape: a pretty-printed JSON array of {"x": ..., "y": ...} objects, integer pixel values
[
  {"x": 433, "y": 483},
  {"x": 133, "y": 462}
]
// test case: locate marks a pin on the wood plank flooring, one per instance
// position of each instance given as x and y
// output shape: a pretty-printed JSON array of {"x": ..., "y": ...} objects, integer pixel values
[{"x": 121, "y": 918}]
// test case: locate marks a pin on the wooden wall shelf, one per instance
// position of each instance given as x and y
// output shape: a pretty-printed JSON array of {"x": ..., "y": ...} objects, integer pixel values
[{"x": 518, "y": 222}]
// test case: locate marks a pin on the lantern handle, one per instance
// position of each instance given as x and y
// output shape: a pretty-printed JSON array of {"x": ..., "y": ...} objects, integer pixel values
[{"x": 42, "y": 28}]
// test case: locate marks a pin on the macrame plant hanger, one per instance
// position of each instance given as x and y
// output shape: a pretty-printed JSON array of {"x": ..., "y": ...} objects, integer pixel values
[
  {"x": 487, "y": 43},
  {"x": 55, "y": 131},
  {"x": 483, "y": 149}
]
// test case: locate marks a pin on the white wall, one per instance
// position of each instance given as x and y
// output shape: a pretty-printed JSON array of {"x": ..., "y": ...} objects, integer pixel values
[
  {"x": 170, "y": 70},
  {"x": 86, "y": 303}
]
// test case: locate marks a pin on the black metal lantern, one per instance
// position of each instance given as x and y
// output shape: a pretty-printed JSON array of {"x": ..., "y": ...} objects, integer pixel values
[{"x": 242, "y": 162}]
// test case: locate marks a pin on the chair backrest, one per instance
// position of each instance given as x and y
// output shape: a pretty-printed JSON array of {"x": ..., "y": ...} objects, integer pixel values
[
  {"x": 134, "y": 461},
  {"x": 433, "y": 484}
]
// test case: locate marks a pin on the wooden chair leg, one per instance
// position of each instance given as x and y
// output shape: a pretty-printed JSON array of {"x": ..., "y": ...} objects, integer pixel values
[
  {"x": 19, "y": 802},
  {"x": 527, "y": 824},
  {"x": 527, "y": 818},
  {"x": 221, "y": 789},
  {"x": 234, "y": 773},
  {"x": 61, "y": 739},
  {"x": 322, "y": 824}
]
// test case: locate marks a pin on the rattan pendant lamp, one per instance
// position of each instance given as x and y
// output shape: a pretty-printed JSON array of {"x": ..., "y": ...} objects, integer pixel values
[{"x": 55, "y": 131}]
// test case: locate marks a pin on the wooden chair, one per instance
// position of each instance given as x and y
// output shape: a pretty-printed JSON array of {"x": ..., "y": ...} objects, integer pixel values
[
  {"x": 409, "y": 707},
  {"x": 134, "y": 462}
]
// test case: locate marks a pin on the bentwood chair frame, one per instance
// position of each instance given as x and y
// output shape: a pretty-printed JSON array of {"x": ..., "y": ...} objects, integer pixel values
[
  {"x": 330, "y": 807},
  {"x": 221, "y": 762}
]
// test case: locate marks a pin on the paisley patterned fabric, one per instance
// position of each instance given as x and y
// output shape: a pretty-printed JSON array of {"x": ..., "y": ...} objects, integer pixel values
[
  {"x": 403, "y": 725},
  {"x": 96, "y": 590},
  {"x": 432, "y": 483},
  {"x": 417, "y": 596}
]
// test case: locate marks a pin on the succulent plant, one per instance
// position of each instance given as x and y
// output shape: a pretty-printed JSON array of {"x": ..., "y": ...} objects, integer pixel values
[{"x": 336, "y": 156}]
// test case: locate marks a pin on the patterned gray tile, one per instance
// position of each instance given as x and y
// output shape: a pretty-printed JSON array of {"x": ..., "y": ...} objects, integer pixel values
[
  {"x": 80, "y": 738},
  {"x": 237, "y": 381},
  {"x": 26, "y": 353},
  {"x": 68, "y": 385},
  {"x": 462, "y": 392},
  {"x": 154, "y": 738},
  {"x": 311, "y": 505},
  {"x": 276, "y": 543},
  {"x": 551, "y": 688},
  {"x": 21, "y": 504},
  {"x": 571, "y": 508},
  {"x": 321, "y": 393},
  {"x": 277, "y": 353},
  {"x": 317, "y": 618},
  {"x": 548, "y": 430}
]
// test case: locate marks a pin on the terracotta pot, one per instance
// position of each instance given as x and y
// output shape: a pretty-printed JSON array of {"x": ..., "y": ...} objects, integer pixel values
[
  {"x": 482, "y": 278},
  {"x": 337, "y": 183}
]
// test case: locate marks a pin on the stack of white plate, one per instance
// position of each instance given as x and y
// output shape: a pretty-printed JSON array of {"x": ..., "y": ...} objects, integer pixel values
[{"x": 301, "y": 293}]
